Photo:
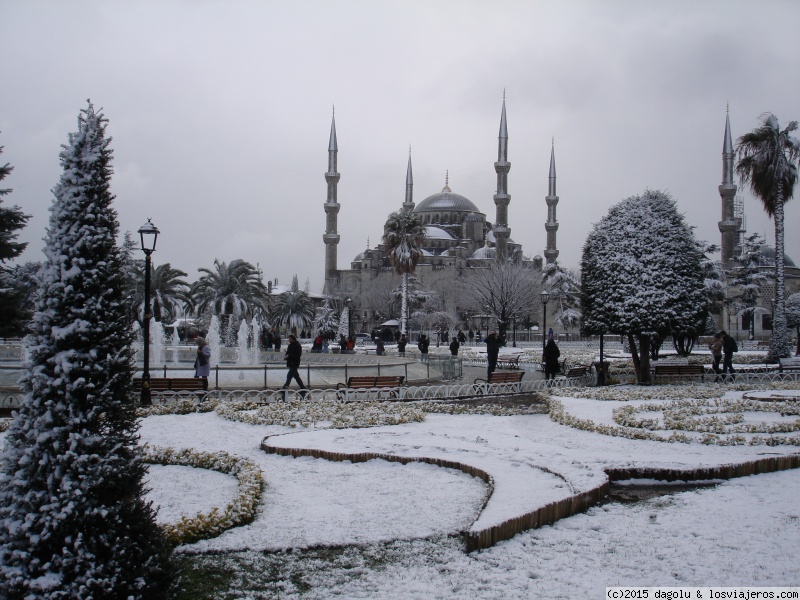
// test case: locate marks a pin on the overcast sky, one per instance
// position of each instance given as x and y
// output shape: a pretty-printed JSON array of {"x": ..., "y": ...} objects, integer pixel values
[{"x": 220, "y": 113}]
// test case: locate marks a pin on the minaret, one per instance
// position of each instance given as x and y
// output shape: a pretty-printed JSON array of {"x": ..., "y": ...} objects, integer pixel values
[
  {"x": 729, "y": 225},
  {"x": 408, "y": 205},
  {"x": 501, "y": 198},
  {"x": 551, "y": 253},
  {"x": 331, "y": 236}
]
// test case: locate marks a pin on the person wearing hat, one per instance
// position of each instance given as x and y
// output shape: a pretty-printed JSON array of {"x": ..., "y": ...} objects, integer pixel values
[
  {"x": 292, "y": 357},
  {"x": 202, "y": 364}
]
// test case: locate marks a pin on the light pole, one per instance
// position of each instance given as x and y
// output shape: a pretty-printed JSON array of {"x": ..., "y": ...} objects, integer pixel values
[
  {"x": 148, "y": 234},
  {"x": 514, "y": 325},
  {"x": 349, "y": 303},
  {"x": 545, "y": 300}
]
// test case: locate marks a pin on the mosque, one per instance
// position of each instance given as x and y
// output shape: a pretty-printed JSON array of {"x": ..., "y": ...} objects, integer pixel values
[{"x": 458, "y": 235}]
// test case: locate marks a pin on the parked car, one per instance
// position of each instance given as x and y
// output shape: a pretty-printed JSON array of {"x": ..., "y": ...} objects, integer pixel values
[{"x": 362, "y": 338}]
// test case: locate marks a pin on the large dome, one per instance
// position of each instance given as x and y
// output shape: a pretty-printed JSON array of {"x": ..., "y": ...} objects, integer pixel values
[{"x": 446, "y": 200}]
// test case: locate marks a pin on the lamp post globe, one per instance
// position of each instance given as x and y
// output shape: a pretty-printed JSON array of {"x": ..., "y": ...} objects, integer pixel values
[{"x": 148, "y": 234}]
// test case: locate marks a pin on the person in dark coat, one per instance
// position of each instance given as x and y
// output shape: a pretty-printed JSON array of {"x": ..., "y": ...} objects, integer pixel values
[
  {"x": 401, "y": 345},
  {"x": 454, "y": 346},
  {"x": 316, "y": 345},
  {"x": 277, "y": 341},
  {"x": 202, "y": 364},
  {"x": 728, "y": 348},
  {"x": 380, "y": 349},
  {"x": 422, "y": 345},
  {"x": 550, "y": 357},
  {"x": 492, "y": 351},
  {"x": 292, "y": 357}
]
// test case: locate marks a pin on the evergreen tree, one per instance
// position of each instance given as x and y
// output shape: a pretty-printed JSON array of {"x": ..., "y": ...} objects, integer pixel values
[
  {"x": 74, "y": 522},
  {"x": 13, "y": 313},
  {"x": 642, "y": 275},
  {"x": 748, "y": 278}
]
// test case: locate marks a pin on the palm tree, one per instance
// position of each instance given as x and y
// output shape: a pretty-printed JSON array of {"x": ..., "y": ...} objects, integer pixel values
[
  {"x": 232, "y": 291},
  {"x": 766, "y": 160},
  {"x": 403, "y": 237},
  {"x": 168, "y": 292},
  {"x": 293, "y": 309}
]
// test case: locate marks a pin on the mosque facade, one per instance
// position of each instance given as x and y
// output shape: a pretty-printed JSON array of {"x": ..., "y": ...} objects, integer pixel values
[{"x": 458, "y": 234}]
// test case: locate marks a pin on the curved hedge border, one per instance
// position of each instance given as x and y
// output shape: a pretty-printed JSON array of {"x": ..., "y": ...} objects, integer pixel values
[
  {"x": 239, "y": 512},
  {"x": 559, "y": 414},
  {"x": 552, "y": 512}
]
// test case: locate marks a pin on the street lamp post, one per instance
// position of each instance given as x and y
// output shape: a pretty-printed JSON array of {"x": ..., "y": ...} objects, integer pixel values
[
  {"x": 148, "y": 234},
  {"x": 545, "y": 300},
  {"x": 349, "y": 304}
]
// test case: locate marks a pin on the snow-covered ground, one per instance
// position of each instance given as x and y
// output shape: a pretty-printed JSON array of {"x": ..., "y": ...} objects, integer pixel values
[{"x": 405, "y": 518}]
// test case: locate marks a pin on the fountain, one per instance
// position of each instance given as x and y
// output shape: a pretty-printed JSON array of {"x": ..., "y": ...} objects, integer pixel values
[
  {"x": 137, "y": 344},
  {"x": 175, "y": 341},
  {"x": 255, "y": 331},
  {"x": 157, "y": 333},
  {"x": 214, "y": 340},
  {"x": 244, "y": 356}
]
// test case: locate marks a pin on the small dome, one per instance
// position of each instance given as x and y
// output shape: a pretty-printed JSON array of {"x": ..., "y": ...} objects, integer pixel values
[
  {"x": 359, "y": 257},
  {"x": 484, "y": 253},
  {"x": 425, "y": 252},
  {"x": 768, "y": 258},
  {"x": 437, "y": 233}
]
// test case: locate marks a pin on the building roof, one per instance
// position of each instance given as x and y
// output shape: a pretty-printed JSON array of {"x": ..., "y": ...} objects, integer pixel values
[
  {"x": 437, "y": 233},
  {"x": 447, "y": 201}
]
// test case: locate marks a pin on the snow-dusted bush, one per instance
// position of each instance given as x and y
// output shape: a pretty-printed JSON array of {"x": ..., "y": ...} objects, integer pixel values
[
  {"x": 322, "y": 414},
  {"x": 74, "y": 522},
  {"x": 642, "y": 276},
  {"x": 240, "y": 511}
]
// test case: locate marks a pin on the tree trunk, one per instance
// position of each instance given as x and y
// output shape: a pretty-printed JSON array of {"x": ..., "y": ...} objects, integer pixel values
[
  {"x": 404, "y": 309},
  {"x": 634, "y": 354},
  {"x": 779, "y": 344},
  {"x": 641, "y": 359}
]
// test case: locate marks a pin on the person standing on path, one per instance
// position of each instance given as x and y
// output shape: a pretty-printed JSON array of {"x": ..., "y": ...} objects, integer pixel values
[
  {"x": 454, "y": 346},
  {"x": 202, "y": 364},
  {"x": 728, "y": 348},
  {"x": 716, "y": 354},
  {"x": 422, "y": 345},
  {"x": 401, "y": 345},
  {"x": 293, "y": 353},
  {"x": 550, "y": 357},
  {"x": 492, "y": 351}
]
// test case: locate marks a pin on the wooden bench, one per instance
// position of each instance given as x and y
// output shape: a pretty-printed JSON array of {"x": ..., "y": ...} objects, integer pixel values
[
  {"x": 499, "y": 377},
  {"x": 789, "y": 364},
  {"x": 577, "y": 371},
  {"x": 368, "y": 382},
  {"x": 673, "y": 370},
  {"x": 508, "y": 362},
  {"x": 171, "y": 384}
]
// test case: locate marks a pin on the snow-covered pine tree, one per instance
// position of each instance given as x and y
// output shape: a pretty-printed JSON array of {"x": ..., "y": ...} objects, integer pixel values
[
  {"x": 641, "y": 275},
  {"x": 74, "y": 522}
]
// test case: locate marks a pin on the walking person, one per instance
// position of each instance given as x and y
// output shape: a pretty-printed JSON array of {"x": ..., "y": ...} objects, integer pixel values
[
  {"x": 492, "y": 351},
  {"x": 401, "y": 345},
  {"x": 550, "y": 357},
  {"x": 728, "y": 348},
  {"x": 202, "y": 364},
  {"x": 716, "y": 354},
  {"x": 292, "y": 357}
]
